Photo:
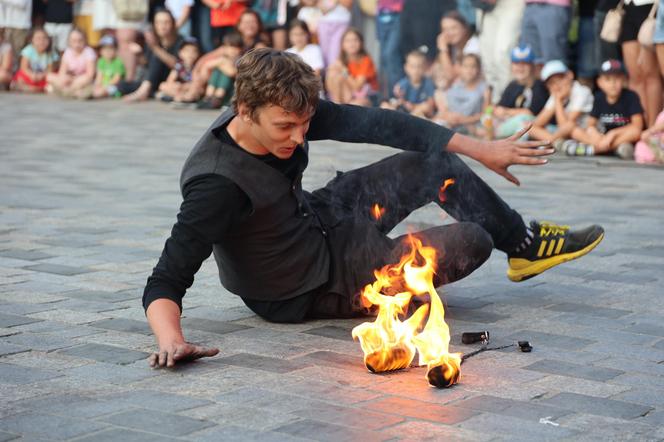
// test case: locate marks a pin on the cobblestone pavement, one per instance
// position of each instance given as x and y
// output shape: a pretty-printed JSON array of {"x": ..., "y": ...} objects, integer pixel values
[{"x": 89, "y": 193}]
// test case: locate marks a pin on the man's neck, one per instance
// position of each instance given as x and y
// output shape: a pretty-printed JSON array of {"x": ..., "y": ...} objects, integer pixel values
[{"x": 240, "y": 132}]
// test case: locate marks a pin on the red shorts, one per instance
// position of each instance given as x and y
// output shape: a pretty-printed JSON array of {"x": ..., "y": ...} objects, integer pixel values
[{"x": 25, "y": 79}]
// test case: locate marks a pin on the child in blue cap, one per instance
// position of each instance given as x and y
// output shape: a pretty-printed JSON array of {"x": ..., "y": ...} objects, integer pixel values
[{"x": 523, "y": 98}]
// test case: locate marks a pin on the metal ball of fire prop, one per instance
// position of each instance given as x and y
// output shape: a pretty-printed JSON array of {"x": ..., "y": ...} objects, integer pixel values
[{"x": 390, "y": 343}]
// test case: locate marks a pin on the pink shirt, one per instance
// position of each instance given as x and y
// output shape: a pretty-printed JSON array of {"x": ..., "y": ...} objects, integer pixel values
[
  {"x": 77, "y": 63},
  {"x": 563, "y": 3}
]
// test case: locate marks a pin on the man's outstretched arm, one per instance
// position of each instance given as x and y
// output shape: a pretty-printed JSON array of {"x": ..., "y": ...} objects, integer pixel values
[
  {"x": 212, "y": 204},
  {"x": 356, "y": 124}
]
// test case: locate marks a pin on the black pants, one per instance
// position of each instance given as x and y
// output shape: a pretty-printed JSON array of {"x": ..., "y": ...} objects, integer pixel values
[{"x": 359, "y": 244}]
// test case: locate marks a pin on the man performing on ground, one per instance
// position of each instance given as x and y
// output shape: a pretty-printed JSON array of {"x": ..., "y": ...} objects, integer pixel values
[{"x": 292, "y": 255}]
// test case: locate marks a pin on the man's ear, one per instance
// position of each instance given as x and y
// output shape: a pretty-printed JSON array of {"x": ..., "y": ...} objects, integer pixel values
[{"x": 243, "y": 113}]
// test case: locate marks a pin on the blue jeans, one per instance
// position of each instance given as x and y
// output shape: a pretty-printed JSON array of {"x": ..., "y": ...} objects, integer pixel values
[
  {"x": 201, "y": 26},
  {"x": 586, "y": 61},
  {"x": 545, "y": 29},
  {"x": 391, "y": 64}
]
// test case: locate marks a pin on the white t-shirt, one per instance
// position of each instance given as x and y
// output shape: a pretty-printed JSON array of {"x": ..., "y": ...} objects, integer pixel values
[
  {"x": 311, "y": 54},
  {"x": 176, "y": 6},
  {"x": 472, "y": 46},
  {"x": 580, "y": 99},
  {"x": 84, "y": 7}
]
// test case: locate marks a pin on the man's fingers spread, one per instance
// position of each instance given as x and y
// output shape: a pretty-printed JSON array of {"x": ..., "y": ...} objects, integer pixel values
[
  {"x": 210, "y": 351},
  {"x": 533, "y": 161},
  {"x": 519, "y": 134},
  {"x": 535, "y": 152},
  {"x": 163, "y": 356},
  {"x": 509, "y": 177},
  {"x": 533, "y": 144},
  {"x": 152, "y": 360},
  {"x": 171, "y": 359}
]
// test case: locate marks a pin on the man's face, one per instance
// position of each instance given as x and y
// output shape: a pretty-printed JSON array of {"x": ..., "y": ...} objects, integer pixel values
[
  {"x": 278, "y": 131},
  {"x": 611, "y": 84},
  {"x": 522, "y": 71}
]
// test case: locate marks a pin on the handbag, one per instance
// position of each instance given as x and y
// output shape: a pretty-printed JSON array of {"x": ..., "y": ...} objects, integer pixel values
[
  {"x": 369, "y": 7},
  {"x": 131, "y": 10},
  {"x": 613, "y": 23},
  {"x": 647, "y": 29}
]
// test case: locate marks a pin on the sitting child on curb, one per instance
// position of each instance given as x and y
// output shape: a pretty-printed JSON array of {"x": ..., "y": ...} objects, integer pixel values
[
  {"x": 37, "y": 61},
  {"x": 615, "y": 121},
  {"x": 179, "y": 80},
  {"x": 77, "y": 68},
  {"x": 110, "y": 69},
  {"x": 568, "y": 104},
  {"x": 413, "y": 93}
]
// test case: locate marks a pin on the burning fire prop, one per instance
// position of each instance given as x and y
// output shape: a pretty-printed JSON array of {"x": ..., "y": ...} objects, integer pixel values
[
  {"x": 441, "y": 192},
  {"x": 377, "y": 212},
  {"x": 390, "y": 343}
]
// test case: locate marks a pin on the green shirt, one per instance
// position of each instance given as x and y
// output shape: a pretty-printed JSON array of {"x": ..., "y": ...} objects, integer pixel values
[{"x": 110, "y": 69}]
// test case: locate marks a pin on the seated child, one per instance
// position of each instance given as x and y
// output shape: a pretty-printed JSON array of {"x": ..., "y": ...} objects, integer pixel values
[
  {"x": 650, "y": 149},
  {"x": 178, "y": 81},
  {"x": 523, "y": 98},
  {"x": 77, "y": 68},
  {"x": 219, "y": 90},
  {"x": 110, "y": 69},
  {"x": 615, "y": 121},
  {"x": 568, "y": 102},
  {"x": 460, "y": 106},
  {"x": 300, "y": 40},
  {"x": 37, "y": 61},
  {"x": 6, "y": 61},
  {"x": 414, "y": 93},
  {"x": 352, "y": 78}
]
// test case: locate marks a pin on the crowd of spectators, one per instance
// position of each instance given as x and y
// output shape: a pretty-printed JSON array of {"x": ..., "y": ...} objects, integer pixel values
[{"x": 587, "y": 75}]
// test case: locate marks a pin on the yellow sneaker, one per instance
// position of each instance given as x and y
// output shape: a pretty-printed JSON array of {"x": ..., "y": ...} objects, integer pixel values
[{"x": 551, "y": 245}]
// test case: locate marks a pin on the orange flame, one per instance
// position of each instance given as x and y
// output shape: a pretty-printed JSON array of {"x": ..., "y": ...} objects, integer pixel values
[
  {"x": 377, "y": 211},
  {"x": 390, "y": 343},
  {"x": 441, "y": 192}
]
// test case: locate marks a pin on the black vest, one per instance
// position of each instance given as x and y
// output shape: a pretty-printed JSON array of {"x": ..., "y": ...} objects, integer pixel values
[{"x": 280, "y": 251}]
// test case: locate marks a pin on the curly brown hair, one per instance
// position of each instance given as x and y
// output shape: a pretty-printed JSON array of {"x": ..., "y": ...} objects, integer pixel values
[{"x": 266, "y": 76}]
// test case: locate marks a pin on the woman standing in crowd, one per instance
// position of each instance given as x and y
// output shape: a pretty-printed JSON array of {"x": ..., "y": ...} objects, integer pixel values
[
  {"x": 455, "y": 40},
  {"x": 332, "y": 26},
  {"x": 641, "y": 62},
  {"x": 163, "y": 46}
]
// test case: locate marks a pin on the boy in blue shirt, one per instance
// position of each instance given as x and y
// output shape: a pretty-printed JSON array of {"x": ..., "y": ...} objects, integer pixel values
[{"x": 413, "y": 93}]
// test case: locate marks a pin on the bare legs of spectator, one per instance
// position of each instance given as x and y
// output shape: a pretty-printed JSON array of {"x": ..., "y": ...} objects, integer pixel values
[
  {"x": 336, "y": 84},
  {"x": 644, "y": 77},
  {"x": 140, "y": 94},
  {"x": 659, "y": 52},
  {"x": 125, "y": 39}
]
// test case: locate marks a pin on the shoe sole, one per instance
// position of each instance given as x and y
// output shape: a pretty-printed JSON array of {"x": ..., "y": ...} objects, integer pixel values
[{"x": 541, "y": 265}]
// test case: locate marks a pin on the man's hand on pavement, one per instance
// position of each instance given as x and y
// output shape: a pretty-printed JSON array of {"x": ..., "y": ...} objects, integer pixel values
[
  {"x": 173, "y": 353},
  {"x": 499, "y": 155}
]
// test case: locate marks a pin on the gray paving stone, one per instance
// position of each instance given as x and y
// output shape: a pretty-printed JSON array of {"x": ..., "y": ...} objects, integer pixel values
[
  {"x": 106, "y": 353},
  {"x": 350, "y": 417},
  {"x": 58, "y": 269},
  {"x": 473, "y": 315},
  {"x": 274, "y": 365},
  {"x": 262, "y": 398},
  {"x": 49, "y": 427},
  {"x": 15, "y": 374},
  {"x": 321, "y": 431},
  {"x": 330, "y": 331},
  {"x": 232, "y": 433},
  {"x": 327, "y": 358},
  {"x": 40, "y": 342},
  {"x": 121, "y": 434},
  {"x": 447, "y": 414},
  {"x": 211, "y": 326},
  {"x": 111, "y": 373},
  {"x": 14, "y": 320},
  {"x": 4, "y": 436},
  {"x": 563, "y": 368},
  {"x": 551, "y": 340},
  {"x": 91, "y": 295},
  {"x": 646, "y": 329},
  {"x": 598, "y": 406},
  {"x": 154, "y": 400},
  {"x": 514, "y": 429},
  {"x": 586, "y": 309},
  {"x": 162, "y": 423},
  {"x": 123, "y": 325},
  {"x": 10, "y": 349},
  {"x": 25, "y": 309},
  {"x": 27, "y": 255},
  {"x": 510, "y": 407}
]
